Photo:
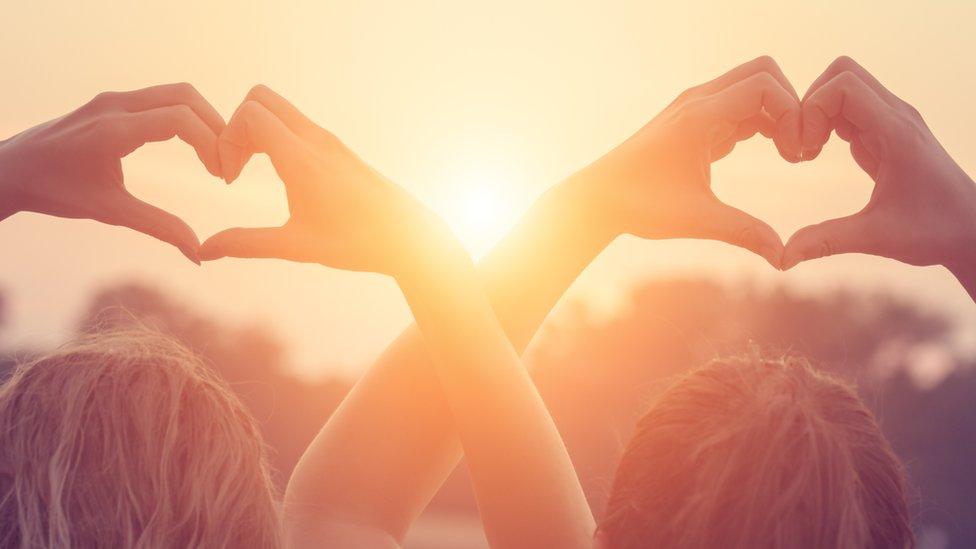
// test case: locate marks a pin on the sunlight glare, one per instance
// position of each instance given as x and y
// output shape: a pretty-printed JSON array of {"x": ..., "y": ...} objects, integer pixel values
[{"x": 480, "y": 212}]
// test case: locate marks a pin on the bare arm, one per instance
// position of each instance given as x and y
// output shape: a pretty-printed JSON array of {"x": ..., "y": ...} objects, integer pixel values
[
  {"x": 344, "y": 214},
  {"x": 346, "y": 477},
  {"x": 527, "y": 489},
  {"x": 401, "y": 399}
]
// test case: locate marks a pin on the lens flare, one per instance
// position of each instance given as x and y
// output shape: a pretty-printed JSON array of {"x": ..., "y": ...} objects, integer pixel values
[{"x": 480, "y": 213}]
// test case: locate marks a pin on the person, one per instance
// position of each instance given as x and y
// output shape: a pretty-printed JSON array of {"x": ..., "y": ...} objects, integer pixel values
[
  {"x": 655, "y": 185},
  {"x": 123, "y": 438},
  {"x": 126, "y": 441},
  {"x": 345, "y": 215},
  {"x": 460, "y": 360},
  {"x": 71, "y": 166}
]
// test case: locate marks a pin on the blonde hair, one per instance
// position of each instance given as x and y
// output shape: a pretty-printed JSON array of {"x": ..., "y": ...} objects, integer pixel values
[
  {"x": 126, "y": 439},
  {"x": 749, "y": 453}
]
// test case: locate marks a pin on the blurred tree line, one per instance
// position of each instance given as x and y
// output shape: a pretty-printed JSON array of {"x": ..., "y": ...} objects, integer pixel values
[{"x": 597, "y": 375}]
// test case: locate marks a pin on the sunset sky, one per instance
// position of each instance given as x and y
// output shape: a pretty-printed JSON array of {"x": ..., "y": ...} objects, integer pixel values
[{"x": 474, "y": 107}]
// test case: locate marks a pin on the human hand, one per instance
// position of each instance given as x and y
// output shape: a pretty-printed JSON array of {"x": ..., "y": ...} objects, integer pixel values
[
  {"x": 923, "y": 208},
  {"x": 657, "y": 184},
  {"x": 344, "y": 214},
  {"x": 71, "y": 166}
]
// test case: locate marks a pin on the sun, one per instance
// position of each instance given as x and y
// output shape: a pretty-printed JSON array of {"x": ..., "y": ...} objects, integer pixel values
[{"x": 480, "y": 212}]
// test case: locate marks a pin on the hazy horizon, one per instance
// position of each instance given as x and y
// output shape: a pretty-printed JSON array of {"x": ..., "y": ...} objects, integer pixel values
[{"x": 463, "y": 104}]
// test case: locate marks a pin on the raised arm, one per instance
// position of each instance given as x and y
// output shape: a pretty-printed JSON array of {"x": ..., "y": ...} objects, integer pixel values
[
  {"x": 655, "y": 185},
  {"x": 343, "y": 214},
  {"x": 923, "y": 208},
  {"x": 71, "y": 166}
]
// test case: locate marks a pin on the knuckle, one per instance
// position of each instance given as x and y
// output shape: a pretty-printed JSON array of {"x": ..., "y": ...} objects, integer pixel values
[
  {"x": 847, "y": 80},
  {"x": 186, "y": 90},
  {"x": 767, "y": 62},
  {"x": 843, "y": 63},
  {"x": 249, "y": 109},
  {"x": 183, "y": 113},
  {"x": 104, "y": 99},
  {"x": 911, "y": 111},
  {"x": 686, "y": 95},
  {"x": 258, "y": 90},
  {"x": 691, "y": 111},
  {"x": 100, "y": 124},
  {"x": 913, "y": 133},
  {"x": 826, "y": 248},
  {"x": 765, "y": 79},
  {"x": 104, "y": 127}
]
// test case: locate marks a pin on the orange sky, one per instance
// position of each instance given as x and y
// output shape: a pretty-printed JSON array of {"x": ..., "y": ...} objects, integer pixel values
[{"x": 457, "y": 101}]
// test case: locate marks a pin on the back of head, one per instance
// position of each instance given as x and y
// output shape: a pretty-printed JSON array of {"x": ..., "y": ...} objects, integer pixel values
[
  {"x": 755, "y": 453},
  {"x": 127, "y": 440}
]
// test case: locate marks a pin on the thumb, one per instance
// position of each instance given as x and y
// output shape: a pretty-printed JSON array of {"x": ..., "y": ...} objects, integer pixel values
[
  {"x": 129, "y": 211},
  {"x": 835, "y": 236},
  {"x": 240, "y": 242},
  {"x": 738, "y": 228}
]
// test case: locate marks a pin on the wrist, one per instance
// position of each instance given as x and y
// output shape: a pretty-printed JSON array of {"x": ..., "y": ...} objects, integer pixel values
[
  {"x": 581, "y": 204},
  {"x": 959, "y": 245},
  {"x": 10, "y": 194},
  {"x": 425, "y": 244}
]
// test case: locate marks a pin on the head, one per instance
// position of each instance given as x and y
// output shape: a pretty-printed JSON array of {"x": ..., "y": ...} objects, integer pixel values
[
  {"x": 127, "y": 440},
  {"x": 756, "y": 453}
]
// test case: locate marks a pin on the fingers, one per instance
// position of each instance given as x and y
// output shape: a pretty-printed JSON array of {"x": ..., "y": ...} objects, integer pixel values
[
  {"x": 286, "y": 112},
  {"x": 761, "y": 123},
  {"x": 250, "y": 243},
  {"x": 844, "y": 99},
  {"x": 836, "y": 236},
  {"x": 253, "y": 128},
  {"x": 164, "y": 123},
  {"x": 758, "y": 65},
  {"x": 758, "y": 94},
  {"x": 728, "y": 224},
  {"x": 846, "y": 64},
  {"x": 168, "y": 95},
  {"x": 129, "y": 211}
]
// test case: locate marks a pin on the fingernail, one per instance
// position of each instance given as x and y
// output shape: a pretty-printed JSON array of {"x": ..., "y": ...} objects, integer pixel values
[{"x": 192, "y": 255}]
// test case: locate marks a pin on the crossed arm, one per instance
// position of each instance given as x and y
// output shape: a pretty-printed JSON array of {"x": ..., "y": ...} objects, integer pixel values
[
  {"x": 528, "y": 272},
  {"x": 388, "y": 448},
  {"x": 384, "y": 453}
]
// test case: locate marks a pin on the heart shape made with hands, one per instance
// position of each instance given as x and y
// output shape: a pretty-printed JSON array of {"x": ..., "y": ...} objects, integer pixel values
[{"x": 845, "y": 99}]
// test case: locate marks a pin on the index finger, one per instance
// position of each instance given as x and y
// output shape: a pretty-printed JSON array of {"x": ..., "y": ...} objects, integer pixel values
[
  {"x": 164, "y": 123},
  {"x": 846, "y": 64},
  {"x": 844, "y": 98},
  {"x": 253, "y": 128},
  {"x": 758, "y": 65},
  {"x": 758, "y": 94},
  {"x": 289, "y": 114},
  {"x": 166, "y": 95}
]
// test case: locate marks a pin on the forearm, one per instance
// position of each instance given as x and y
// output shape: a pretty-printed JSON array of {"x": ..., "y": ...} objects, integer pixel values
[
  {"x": 400, "y": 398},
  {"x": 527, "y": 489}
]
